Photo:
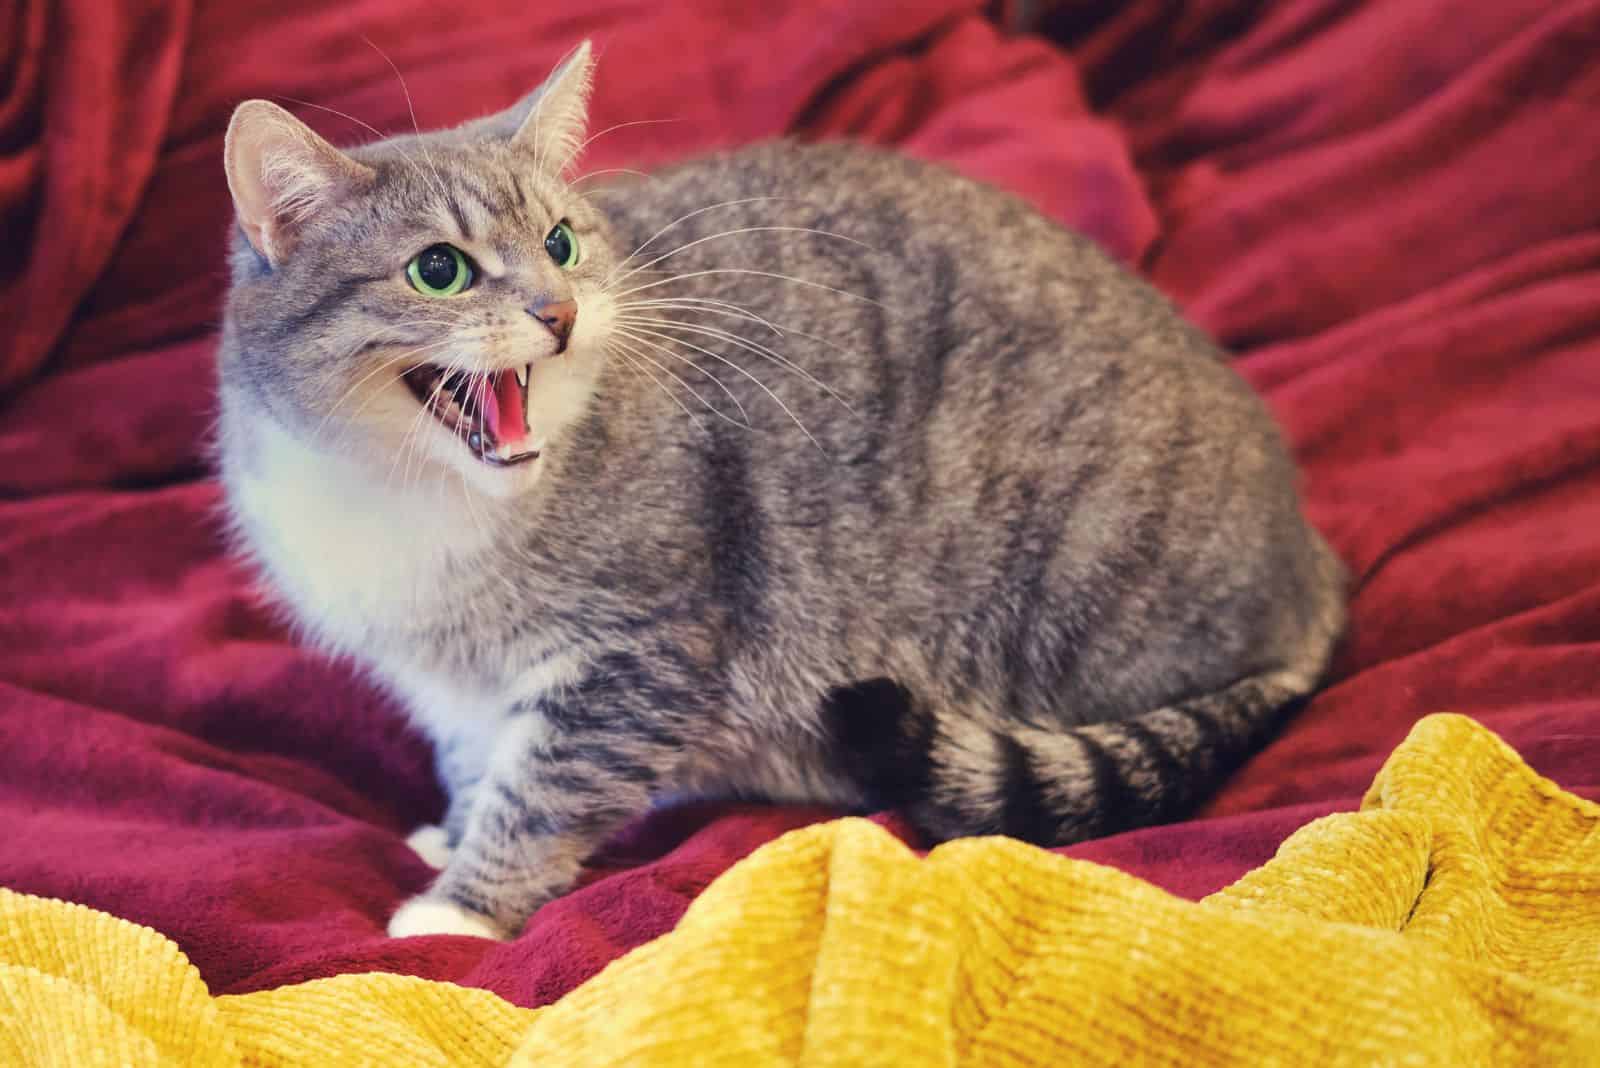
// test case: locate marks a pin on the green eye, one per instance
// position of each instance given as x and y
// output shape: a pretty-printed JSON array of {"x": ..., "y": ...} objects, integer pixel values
[
  {"x": 439, "y": 271},
  {"x": 562, "y": 245}
]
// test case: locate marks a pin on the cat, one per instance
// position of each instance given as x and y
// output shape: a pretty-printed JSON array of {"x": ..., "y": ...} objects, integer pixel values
[{"x": 795, "y": 472}]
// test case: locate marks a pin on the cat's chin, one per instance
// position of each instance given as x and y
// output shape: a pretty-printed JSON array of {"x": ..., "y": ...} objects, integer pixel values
[{"x": 497, "y": 481}]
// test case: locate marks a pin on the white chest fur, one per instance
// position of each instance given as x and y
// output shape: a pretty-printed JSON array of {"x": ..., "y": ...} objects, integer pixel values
[
  {"x": 352, "y": 554},
  {"x": 362, "y": 563}
]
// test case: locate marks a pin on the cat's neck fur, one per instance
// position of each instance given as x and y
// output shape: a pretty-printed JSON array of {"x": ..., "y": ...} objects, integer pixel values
[
  {"x": 369, "y": 563},
  {"x": 356, "y": 555}
]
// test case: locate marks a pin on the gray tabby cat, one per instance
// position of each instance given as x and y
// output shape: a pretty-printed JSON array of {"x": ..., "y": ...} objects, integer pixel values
[{"x": 799, "y": 472}]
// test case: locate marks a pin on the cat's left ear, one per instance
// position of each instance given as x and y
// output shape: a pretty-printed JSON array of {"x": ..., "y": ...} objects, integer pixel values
[{"x": 550, "y": 121}]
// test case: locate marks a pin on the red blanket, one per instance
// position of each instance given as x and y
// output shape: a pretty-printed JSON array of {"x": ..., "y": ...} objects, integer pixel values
[{"x": 1390, "y": 211}]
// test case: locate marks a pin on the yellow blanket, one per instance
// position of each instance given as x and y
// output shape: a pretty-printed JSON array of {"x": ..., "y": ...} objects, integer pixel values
[{"x": 1454, "y": 920}]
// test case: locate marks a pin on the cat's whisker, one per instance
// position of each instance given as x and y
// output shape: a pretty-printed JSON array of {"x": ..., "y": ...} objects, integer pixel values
[
  {"x": 722, "y": 359},
  {"x": 744, "y": 343},
  {"x": 472, "y": 509},
  {"x": 625, "y": 363},
  {"x": 722, "y": 307},
  {"x": 476, "y": 379},
  {"x": 744, "y": 415},
  {"x": 700, "y": 304},
  {"x": 439, "y": 182},
  {"x": 334, "y": 111},
  {"x": 695, "y": 419},
  {"x": 608, "y": 170},
  {"x": 735, "y": 233},
  {"x": 410, "y": 160},
  {"x": 746, "y": 270},
  {"x": 418, "y": 427},
  {"x": 472, "y": 512},
  {"x": 712, "y": 408},
  {"x": 390, "y": 362},
  {"x": 403, "y": 449},
  {"x": 419, "y": 422},
  {"x": 430, "y": 410},
  {"x": 385, "y": 365},
  {"x": 620, "y": 126},
  {"x": 682, "y": 219},
  {"x": 475, "y": 384}
]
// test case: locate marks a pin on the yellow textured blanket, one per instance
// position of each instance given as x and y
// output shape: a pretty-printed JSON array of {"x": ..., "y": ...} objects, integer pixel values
[{"x": 1454, "y": 920}]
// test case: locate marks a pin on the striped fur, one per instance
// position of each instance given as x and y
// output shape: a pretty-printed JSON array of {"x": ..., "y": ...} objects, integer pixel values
[{"x": 906, "y": 496}]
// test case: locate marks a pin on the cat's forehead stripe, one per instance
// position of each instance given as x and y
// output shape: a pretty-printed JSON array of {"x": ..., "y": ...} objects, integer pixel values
[
  {"x": 464, "y": 229},
  {"x": 471, "y": 205},
  {"x": 462, "y": 212}
]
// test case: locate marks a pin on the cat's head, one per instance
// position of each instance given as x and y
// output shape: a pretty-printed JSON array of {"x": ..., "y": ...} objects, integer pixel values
[{"x": 436, "y": 303}]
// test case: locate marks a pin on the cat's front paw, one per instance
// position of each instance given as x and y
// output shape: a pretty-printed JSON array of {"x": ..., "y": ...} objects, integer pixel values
[
  {"x": 431, "y": 843},
  {"x": 433, "y": 916}
]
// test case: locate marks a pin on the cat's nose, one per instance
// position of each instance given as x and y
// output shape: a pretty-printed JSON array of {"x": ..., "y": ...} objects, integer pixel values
[{"x": 559, "y": 316}]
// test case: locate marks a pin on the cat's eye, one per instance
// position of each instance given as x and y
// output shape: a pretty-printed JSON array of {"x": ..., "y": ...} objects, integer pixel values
[
  {"x": 562, "y": 245},
  {"x": 439, "y": 271}
]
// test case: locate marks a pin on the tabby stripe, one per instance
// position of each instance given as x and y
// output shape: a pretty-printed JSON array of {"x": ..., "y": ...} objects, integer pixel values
[
  {"x": 458, "y": 215},
  {"x": 1024, "y": 568},
  {"x": 611, "y": 761},
  {"x": 1211, "y": 744},
  {"x": 738, "y": 537},
  {"x": 938, "y": 349},
  {"x": 1113, "y": 799},
  {"x": 336, "y": 295},
  {"x": 468, "y": 900},
  {"x": 1171, "y": 783},
  {"x": 1025, "y": 812},
  {"x": 572, "y": 781}
]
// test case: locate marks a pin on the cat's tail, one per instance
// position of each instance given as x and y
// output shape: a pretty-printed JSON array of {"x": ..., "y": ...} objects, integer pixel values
[
  {"x": 1054, "y": 785},
  {"x": 1062, "y": 785}
]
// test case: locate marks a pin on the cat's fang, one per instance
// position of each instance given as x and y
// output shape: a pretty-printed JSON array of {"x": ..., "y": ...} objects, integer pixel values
[{"x": 524, "y": 373}]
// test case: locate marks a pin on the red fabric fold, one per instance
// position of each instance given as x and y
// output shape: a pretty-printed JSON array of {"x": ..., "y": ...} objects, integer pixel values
[
  {"x": 88, "y": 89},
  {"x": 1387, "y": 211}
]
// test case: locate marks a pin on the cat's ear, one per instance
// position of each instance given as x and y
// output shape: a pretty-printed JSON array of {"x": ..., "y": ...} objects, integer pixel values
[
  {"x": 281, "y": 174},
  {"x": 550, "y": 121}
]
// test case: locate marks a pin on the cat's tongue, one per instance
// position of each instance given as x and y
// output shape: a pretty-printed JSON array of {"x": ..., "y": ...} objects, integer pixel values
[{"x": 502, "y": 404}]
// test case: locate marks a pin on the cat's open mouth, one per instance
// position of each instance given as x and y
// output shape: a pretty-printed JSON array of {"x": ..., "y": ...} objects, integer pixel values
[{"x": 488, "y": 411}]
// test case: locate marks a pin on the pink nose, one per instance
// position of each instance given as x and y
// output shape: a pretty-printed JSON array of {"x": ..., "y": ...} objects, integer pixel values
[{"x": 559, "y": 316}]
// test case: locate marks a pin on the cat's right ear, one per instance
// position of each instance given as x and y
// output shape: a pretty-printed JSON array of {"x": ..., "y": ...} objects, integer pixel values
[{"x": 281, "y": 174}]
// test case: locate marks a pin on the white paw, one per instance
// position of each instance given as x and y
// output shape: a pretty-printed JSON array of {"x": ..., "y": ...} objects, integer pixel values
[
  {"x": 431, "y": 844},
  {"x": 430, "y": 916}
]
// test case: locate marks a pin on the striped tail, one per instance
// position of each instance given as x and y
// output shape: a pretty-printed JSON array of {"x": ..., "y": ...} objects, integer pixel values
[{"x": 956, "y": 775}]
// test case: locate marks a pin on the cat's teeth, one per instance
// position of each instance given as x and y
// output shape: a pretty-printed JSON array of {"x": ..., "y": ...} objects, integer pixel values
[{"x": 522, "y": 375}]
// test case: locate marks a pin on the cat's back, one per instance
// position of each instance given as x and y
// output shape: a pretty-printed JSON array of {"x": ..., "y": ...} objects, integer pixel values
[
  {"x": 844, "y": 233},
  {"x": 931, "y": 303},
  {"x": 893, "y": 204},
  {"x": 1010, "y": 386}
]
